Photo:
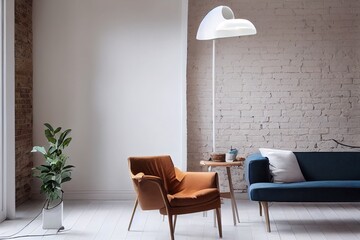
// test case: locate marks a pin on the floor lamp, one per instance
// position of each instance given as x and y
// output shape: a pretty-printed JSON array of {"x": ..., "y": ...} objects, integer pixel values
[{"x": 221, "y": 23}]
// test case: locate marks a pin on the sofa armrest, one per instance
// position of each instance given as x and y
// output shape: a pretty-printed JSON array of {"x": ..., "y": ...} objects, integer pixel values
[{"x": 257, "y": 169}]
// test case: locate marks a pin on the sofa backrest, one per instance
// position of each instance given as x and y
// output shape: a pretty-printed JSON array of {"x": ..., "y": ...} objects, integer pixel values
[{"x": 317, "y": 166}]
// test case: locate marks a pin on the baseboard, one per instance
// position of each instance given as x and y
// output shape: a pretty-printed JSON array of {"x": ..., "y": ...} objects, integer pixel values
[
  {"x": 93, "y": 195},
  {"x": 111, "y": 195},
  {"x": 241, "y": 196}
]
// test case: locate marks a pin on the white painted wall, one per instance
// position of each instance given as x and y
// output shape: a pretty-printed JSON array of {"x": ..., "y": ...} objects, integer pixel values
[{"x": 114, "y": 72}]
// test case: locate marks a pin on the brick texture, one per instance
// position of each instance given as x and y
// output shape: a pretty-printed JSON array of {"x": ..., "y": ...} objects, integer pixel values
[
  {"x": 23, "y": 98},
  {"x": 295, "y": 85}
]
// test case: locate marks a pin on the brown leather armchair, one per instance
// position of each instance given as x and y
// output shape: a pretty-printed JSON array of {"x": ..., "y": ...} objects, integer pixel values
[{"x": 160, "y": 185}]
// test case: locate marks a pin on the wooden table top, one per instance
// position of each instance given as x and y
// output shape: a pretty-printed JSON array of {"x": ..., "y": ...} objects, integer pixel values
[{"x": 221, "y": 164}]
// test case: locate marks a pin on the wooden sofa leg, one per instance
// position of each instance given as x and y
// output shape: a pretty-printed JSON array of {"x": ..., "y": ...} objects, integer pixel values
[
  {"x": 265, "y": 206},
  {"x": 260, "y": 209}
]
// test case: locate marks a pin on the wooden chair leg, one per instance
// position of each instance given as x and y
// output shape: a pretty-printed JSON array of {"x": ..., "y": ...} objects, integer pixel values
[
  {"x": 218, "y": 214},
  {"x": 133, "y": 213},
  {"x": 260, "y": 209},
  {"x": 171, "y": 225},
  {"x": 215, "y": 214},
  {"x": 265, "y": 206},
  {"x": 175, "y": 219}
]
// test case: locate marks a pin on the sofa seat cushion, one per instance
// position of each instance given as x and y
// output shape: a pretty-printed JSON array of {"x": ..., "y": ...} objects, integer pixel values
[
  {"x": 310, "y": 191},
  {"x": 186, "y": 198}
]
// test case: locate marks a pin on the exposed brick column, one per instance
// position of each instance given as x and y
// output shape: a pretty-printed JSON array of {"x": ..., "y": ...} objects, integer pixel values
[{"x": 23, "y": 98}]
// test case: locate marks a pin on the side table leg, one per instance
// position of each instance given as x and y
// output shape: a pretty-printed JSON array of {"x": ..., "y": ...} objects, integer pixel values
[{"x": 232, "y": 195}]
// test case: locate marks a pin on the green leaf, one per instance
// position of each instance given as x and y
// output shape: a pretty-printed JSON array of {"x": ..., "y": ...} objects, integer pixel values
[
  {"x": 43, "y": 168},
  {"x": 51, "y": 160},
  {"x": 52, "y": 150},
  {"x": 67, "y": 142},
  {"x": 58, "y": 152},
  {"x": 52, "y": 140},
  {"x": 57, "y": 130},
  {"x": 68, "y": 166},
  {"x": 65, "y": 179},
  {"x": 52, "y": 183},
  {"x": 65, "y": 174},
  {"x": 48, "y": 134},
  {"x": 62, "y": 137},
  {"x": 66, "y": 171},
  {"x": 58, "y": 164},
  {"x": 49, "y": 127},
  {"x": 39, "y": 149}
]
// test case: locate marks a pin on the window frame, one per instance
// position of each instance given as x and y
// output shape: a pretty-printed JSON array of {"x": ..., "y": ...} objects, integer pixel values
[{"x": 8, "y": 108}]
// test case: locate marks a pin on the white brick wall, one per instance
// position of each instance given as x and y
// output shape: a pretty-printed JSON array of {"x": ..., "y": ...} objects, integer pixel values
[{"x": 294, "y": 85}]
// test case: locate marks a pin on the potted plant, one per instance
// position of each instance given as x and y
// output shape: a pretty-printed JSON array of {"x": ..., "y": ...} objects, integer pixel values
[{"x": 53, "y": 174}]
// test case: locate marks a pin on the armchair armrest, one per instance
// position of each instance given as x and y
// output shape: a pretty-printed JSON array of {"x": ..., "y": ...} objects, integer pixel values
[
  {"x": 151, "y": 191},
  {"x": 141, "y": 177},
  {"x": 153, "y": 180},
  {"x": 257, "y": 169},
  {"x": 138, "y": 176}
]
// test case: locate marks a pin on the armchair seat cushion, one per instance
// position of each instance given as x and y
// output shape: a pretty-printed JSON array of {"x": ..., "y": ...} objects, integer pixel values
[
  {"x": 199, "y": 197},
  {"x": 310, "y": 191}
]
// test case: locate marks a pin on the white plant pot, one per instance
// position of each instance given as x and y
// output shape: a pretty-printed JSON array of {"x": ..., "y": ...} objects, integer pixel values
[{"x": 53, "y": 218}]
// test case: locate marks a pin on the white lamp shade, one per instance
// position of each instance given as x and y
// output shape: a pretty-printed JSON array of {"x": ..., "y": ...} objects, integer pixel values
[
  {"x": 220, "y": 23},
  {"x": 235, "y": 27}
]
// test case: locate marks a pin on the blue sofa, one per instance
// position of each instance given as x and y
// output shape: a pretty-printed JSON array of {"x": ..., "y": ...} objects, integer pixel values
[{"x": 330, "y": 177}]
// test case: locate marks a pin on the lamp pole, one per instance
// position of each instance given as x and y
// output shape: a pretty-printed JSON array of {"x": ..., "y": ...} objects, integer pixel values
[{"x": 213, "y": 98}]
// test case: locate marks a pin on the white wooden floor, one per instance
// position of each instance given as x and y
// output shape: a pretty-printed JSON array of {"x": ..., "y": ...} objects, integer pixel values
[{"x": 109, "y": 220}]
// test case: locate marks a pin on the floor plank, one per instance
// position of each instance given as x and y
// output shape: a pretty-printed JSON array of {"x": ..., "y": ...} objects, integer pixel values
[{"x": 87, "y": 219}]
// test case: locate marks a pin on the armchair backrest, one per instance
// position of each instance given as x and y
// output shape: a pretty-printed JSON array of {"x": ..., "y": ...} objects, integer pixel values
[{"x": 149, "y": 194}]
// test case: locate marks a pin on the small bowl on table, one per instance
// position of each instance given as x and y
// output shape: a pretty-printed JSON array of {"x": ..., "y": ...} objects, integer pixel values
[{"x": 218, "y": 157}]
